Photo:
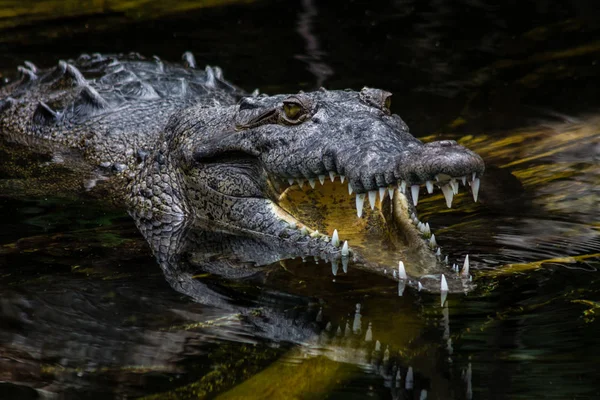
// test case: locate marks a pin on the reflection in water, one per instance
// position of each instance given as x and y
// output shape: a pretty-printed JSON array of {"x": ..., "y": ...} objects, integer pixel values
[{"x": 314, "y": 54}]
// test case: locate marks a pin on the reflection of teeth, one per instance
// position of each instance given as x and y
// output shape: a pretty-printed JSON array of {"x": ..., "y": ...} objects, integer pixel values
[
  {"x": 334, "y": 267},
  {"x": 360, "y": 201},
  {"x": 420, "y": 286},
  {"x": 322, "y": 179},
  {"x": 349, "y": 188}
]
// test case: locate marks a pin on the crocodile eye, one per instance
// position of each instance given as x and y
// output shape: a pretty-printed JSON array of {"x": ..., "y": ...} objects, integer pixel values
[
  {"x": 292, "y": 110},
  {"x": 296, "y": 109},
  {"x": 387, "y": 103}
]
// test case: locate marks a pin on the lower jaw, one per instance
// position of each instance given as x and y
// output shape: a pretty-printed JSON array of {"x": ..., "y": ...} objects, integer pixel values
[{"x": 380, "y": 238}]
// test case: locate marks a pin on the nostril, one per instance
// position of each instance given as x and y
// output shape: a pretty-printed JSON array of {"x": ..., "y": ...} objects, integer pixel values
[{"x": 447, "y": 143}]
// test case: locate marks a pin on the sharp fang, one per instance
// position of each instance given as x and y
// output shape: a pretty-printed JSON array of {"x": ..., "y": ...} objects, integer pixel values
[
  {"x": 372, "y": 198},
  {"x": 381, "y": 193},
  {"x": 322, "y": 179},
  {"x": 446, "y": 260},
  {"x": 429, "y": 186},
  {"x": 414, "y": 190},
  {"x": 438, "y": 252},
  {"x": 432, "y": 242},
  {"x": 304, "y": 231},
  {"x": 475, "y": 188},
  {"x": 447, "y": 190},
  {"x": 464, "y": 180},
  {"x": 342, "y": 177},
  {"x": 402, "y": 187},
  {"x": 420, "y": 286},
  {"x": 345, "y": 251},
  {"x": 300, "y": 182},
  {"x": 360, "y": 201},
  {"x": 349, "y": 188},
  {"x": 332, "y": 176},
  {"x": 454, "y": 186},
  {"x": 291, "y": 181},
  {"x": 335, "y": 239},
  {"x": 401, "y": 271},
  {"x": 391, "y": 193},
  {"x": 465, "y": 271},
  {"x": 427, "y": 229},
  {"x": 444, "y": 284},
  {"x": 311, "y": 182}
]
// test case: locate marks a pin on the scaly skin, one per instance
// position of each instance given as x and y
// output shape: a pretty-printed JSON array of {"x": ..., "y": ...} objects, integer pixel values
[{"x": 187, "y": 148}]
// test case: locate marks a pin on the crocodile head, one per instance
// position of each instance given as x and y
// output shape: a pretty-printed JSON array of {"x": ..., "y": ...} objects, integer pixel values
[{"x": 283, "y": 167}]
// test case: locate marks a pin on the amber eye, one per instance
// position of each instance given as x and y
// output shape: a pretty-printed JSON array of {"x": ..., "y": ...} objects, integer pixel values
[
  {"x": 388, "y": 103},
  {"x": 292, "y": 110}
]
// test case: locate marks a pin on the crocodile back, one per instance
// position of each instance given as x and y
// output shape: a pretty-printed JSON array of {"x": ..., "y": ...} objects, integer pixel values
[{"x": 110, "y": 107}]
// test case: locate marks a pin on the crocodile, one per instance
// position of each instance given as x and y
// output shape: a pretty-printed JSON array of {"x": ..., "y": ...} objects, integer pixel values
[{"x": 183, "y": 147}]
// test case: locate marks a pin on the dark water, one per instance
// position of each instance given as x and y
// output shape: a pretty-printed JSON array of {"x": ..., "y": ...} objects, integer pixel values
[{"x": 85, "y": 311}]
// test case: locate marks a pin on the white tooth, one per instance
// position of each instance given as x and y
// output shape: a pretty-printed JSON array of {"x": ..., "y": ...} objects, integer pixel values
[
  {"x": 454, "y": 186},
  {"x": 446, "y": 260},
  {"x": 291, "y": 181},
  {"x": 475, "y": 188},
  {"x": 438, "y": 252},
  {"x": 401, "y": 271},
  {"x": 293, "y": 225},
  {"x": 322, "y": 179},
  {"x": 420, "y": 226},
  {"x": 432, "y": 242},
  {"x": 304, "y": 231},
  {"x": 349, "y": 188},
  {"x": 342, "y": 177},
  {"x": 402, "y": 187},
  {"x": 335, "y": 239},
  {"x": 314, "y": 234},
  {"x": 381, "y": 193},
  {"x": 300, "y": 182},
  {"x": 444, "y": 284},
  {"x": 427, "y": 229},
  {"x": 473, "y": 176},
  {"x": 429, "y": 186},
  {"x": 464, "y": 180},
  {"x": 332, "y": 176},
  {"x": 394, "y": 274},
  {"x": 372, "y": 198},
  {"x": 447, "y": 190},
  {"x": 311, "y": 182},
  {"x": 391, "y": 192},
  {"x": 420, "y": 286},
  {"x": 360, "y": 201},
  {"x": 414, "y": 190},
  {"x": 465, "y": 271},
  {"x": 345, "y": 250},
  {"x": 437, "y": 178}
]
